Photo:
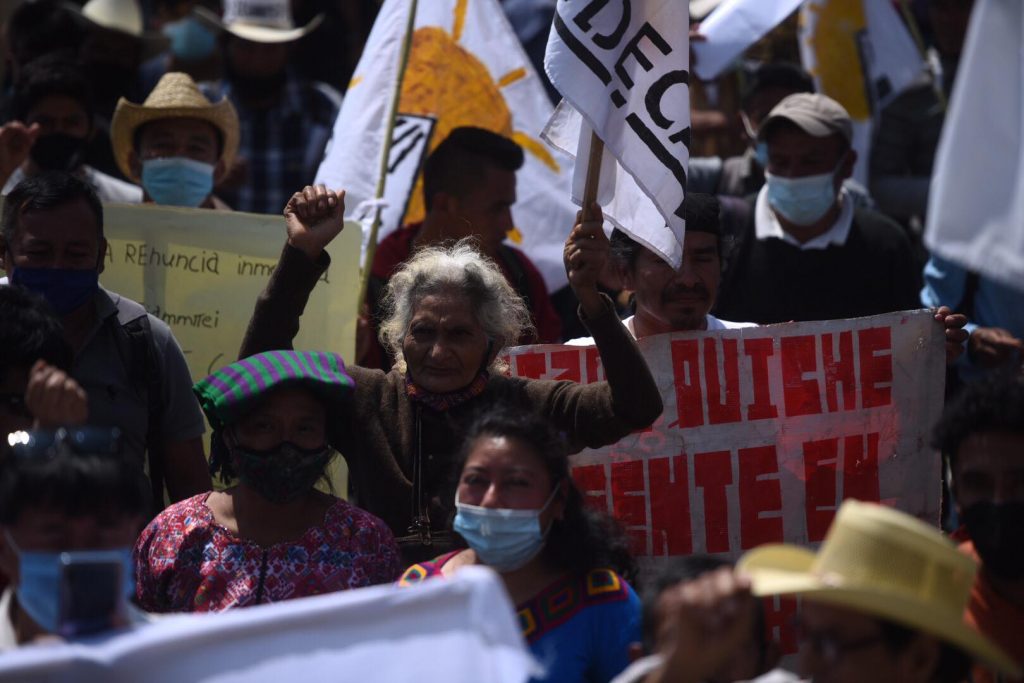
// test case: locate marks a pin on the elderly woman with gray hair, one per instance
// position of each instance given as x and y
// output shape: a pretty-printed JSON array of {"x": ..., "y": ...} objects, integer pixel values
[{"x": 450, "y": 313}]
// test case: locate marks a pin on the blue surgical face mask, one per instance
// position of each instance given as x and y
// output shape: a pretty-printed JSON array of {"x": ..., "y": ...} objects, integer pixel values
[
  {"x": 503, "y": 539},
  {"x": 66, "y": 289},
  {"x": 177, "y": 181},
  {"x": 39, "y": 580},
  {"x": 802, "y": 201},
  {"x": 191, "y": 41},
  {"x": 761, "y": 154}
]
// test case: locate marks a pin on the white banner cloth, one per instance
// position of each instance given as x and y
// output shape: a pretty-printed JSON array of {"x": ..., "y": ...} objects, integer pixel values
[{"x": 461, "y": 630}]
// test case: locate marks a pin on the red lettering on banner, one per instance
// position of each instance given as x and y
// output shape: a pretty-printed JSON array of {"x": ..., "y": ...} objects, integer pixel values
[
  {"x": 531, "y": 365},
  {"x": 875, "y": 366},
  {"x": 686, "y": 370},
  {"x": 591, "y": 358},
  {"x": 593, "y": 485},
  {"x": 722, "y": 409},
  {"x": 779, "y": 613},
  {"x": 839, "y": 370},
  {"x": 629, "y": 502},
  {"x": 802, "y": 396},
  {"x": 820, "y": 464},
  {"x": 670, "y": 506},
  {"x": 712, "y": 472},
  {"x": 758, "y": 350},
  {"x": 569, "y": 361},
  {"x": 759, "y": 494},
  {"x": 860, "y": 467}
]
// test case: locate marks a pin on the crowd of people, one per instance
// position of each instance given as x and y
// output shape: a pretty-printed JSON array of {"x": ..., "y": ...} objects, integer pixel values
[{"x": 452, "y": 461}]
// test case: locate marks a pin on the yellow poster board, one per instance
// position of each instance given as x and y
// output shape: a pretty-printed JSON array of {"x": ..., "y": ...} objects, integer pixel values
[{"x": 200, "y": 271}]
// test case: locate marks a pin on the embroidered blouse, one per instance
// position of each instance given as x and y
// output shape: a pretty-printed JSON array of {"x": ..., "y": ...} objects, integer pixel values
[
  {"x": 186, "y": 562},
  {"x": 579, "y": 627}
]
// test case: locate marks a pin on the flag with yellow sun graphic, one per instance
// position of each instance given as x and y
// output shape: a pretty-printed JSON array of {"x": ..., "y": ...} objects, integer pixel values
[
  {"x": 465, "y": 68},
  {"x": 860, "y": 55}
]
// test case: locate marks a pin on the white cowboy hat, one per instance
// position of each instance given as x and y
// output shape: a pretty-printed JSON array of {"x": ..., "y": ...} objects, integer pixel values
[
  {"x": 259, "y": 21},
  {"x": 123, "y": 16},
  {"x": 884, "y": 563}
]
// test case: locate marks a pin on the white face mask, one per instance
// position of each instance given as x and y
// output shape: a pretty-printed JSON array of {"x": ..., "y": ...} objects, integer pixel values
[
  {"x": 503, "y": 539},
  {"x": 802, "y": 201}
]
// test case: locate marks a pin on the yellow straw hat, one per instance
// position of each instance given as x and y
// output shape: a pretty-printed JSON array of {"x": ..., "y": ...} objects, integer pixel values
[
  {"x": 176, "y": 96},
  {"x": 884, "y": 563}
]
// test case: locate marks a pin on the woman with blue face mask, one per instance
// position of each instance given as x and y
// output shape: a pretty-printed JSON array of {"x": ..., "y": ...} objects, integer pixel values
[
  {"x": 70, "y": 508},
  {"x": 520, "y": 513}
]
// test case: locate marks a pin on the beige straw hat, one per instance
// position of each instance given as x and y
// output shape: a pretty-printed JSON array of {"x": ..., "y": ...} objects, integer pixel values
[
  {"x": 259, "y": 21},
  {"x": 884, "y": 563},
  {"x": 175, "y": 96}
]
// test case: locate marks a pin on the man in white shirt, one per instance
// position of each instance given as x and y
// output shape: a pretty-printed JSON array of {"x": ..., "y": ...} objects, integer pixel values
[{"x": 668, "y": 300}]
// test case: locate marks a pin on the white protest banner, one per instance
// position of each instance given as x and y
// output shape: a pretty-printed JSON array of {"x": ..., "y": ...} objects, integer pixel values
[
  {"x": 976, "y": 203},
  {"x": 734, "y": 26},
  {"x": 624, "y": 67},
  {"x": 465, "y": 68},
  {"x": 458, "y": 630},
  {"x": 765, "y": 431},
  {"x": 861, "y": 55},
  {"x": 200, "y": 271}
]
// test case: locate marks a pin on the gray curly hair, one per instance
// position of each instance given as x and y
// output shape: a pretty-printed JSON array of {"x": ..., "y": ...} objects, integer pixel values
[{"x": 497, "y": 307}]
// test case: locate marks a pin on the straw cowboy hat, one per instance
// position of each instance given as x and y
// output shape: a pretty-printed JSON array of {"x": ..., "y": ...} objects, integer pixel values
[
  {"x": 123, "y": 16},
  {"x": 259, "y": 21},
  {"x": 886, "y": 564},
  {"x": 176, "y": 96}
]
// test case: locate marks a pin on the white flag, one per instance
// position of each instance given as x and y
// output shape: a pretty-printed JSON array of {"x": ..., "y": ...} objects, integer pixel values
[
  {"x": 860, "y": 55},
  {"x": 458, "y": 630},
  {"x": 466, "y": 68},
  {"x": 734, "y": 26},
  {"x": 624, "y": 68},
  {"x": 976, "y": 203}
]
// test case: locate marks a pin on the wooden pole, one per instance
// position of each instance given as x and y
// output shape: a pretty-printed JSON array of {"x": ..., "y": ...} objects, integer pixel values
[{"x": 593, "y": 174}]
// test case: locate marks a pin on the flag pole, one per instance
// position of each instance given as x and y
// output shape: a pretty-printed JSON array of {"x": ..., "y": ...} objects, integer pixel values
[
  {"x": 389, "y": 137},
  {"x": 593, "y": 175}
]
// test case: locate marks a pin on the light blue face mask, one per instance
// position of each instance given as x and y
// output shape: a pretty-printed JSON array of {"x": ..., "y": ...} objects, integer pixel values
[
  {"x": 191, "y": 41},
  {"x": 802, "y": 201},
  {"x": 177, "y": 181},
  {"x": 39, "y": 579},
  {"x": 503, "y": 539}
]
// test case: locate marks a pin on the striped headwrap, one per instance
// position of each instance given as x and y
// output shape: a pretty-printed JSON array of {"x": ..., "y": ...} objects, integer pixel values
[{"x": 225, "y": 395}]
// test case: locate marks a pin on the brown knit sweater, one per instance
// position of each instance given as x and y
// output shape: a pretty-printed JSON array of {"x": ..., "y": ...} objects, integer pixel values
[{"x": 376, "y": 432}]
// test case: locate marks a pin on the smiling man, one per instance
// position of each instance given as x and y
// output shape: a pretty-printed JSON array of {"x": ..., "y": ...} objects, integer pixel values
[{"x": 809, "y": 253}]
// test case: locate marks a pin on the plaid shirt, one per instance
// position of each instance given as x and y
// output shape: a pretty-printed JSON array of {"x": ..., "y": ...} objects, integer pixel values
[{"x": 283, "y": 145}]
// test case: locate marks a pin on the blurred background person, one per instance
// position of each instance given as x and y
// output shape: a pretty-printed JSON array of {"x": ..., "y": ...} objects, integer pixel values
[
  {"x": 285, "y": 120},
  {"x": 68, "y": 499}
]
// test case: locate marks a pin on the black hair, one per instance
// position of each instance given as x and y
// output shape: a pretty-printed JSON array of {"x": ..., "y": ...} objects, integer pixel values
[
  {"x": 75, "y": 484},
  {"x": 994, "y": 403},
  {"x": 702, "y": 213},
  {"x": 43, "y": 192},
  {"x": 585, "y": 539},
  {"x": 678, "y": 570},
  {"x": 43, "y": 27},
  {"x": 784, "y": 75},
  {"x": 459, "y": 163},
  {"x": 48, "y": 76},
  {"x": 30, "y": 332},
  {"x": 953, "y": 666}
]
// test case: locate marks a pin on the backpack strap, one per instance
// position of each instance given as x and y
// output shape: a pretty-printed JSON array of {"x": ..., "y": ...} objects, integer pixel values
[{"x": 134, "y": 337}]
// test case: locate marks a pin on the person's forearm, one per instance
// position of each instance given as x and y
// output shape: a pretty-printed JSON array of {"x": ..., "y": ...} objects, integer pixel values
[
  {"x": 635, "y": 395},
  {"x": 275, "y": 320}
]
